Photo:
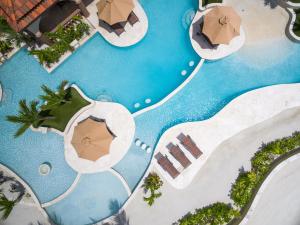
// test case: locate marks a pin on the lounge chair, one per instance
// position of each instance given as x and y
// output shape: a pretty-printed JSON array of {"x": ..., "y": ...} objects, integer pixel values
[
  {"x": 166, "y": 164},
  {"x": 132, "y": 18},
  {"x": 190, "y": 145},
  {"x": 118, "y": 28},
  {"x": 178, "y": 154}
]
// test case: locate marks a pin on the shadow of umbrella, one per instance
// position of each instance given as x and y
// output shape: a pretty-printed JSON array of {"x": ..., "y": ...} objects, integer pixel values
[{"x": 199, "y": 37}]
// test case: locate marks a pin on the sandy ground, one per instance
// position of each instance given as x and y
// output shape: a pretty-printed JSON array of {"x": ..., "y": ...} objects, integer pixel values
[
  {"x": 266, "y": 42},
  {"x": 261, "y": 22},
  {"x": 214, "y": 180}
]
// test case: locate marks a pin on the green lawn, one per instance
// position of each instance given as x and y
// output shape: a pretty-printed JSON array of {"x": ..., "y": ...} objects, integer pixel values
[
  {"x": 65, "y": 112},
  {"x": 296, "y": 27},
  {"x": 206, "y": 2}
]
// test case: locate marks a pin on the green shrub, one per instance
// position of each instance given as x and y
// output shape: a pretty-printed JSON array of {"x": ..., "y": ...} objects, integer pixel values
[
  {"x": 215, "y": 214},
  {"x": 5, "y": 47},
  {"x": 246, "y": 185},
  {"x": 61, "y": 39},
  {"x": 241, "y": 191}
]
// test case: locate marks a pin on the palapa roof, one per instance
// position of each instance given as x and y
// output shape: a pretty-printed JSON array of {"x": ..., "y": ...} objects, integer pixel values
[{"x": 21, "y": 13}]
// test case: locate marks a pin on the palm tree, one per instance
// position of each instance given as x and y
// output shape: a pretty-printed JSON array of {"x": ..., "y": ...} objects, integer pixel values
[
  {"x": 28, "y": 115},
  {"x": 152, "y": 182},
  {"x": 54, "y": 99},
  {"x": 6, "y": 206}
]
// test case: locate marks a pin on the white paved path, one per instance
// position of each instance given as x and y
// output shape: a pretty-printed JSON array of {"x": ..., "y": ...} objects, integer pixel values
[
  {"x": 280, "y": 201},
  {"x": 213, "y": 181}
]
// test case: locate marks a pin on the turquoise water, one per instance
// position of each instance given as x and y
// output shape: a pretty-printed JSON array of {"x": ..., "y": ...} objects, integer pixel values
[
  {"x": 214, "y": 86},
  {"x": 95, "y": 197},
  {"x": 150, "y": 69}
]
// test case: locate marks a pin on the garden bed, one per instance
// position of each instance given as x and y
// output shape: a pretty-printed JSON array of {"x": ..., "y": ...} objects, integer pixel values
[
  {"x": 65, "y": 112},
  {"x": 247, "y": 185},
  {"x": 64, "y": 40}
]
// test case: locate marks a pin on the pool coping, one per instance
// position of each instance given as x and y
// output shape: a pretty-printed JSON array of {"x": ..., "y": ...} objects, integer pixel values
[
  {"x": 261, "y": 104},
  {"x": 140, "y": 112},
  {"x": 173, "y": 93}
]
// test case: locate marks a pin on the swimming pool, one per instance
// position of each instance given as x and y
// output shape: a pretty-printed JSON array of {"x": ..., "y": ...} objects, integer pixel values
[{"x": 151, "y": 69}]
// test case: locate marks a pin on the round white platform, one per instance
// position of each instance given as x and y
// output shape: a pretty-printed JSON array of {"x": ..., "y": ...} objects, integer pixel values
[{"x": 120, "y": 122}]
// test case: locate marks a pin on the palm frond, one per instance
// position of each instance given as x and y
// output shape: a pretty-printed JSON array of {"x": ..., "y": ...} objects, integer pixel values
[
  {"x": 22, "y": 130},
  {"x": 6, "y": 206}
]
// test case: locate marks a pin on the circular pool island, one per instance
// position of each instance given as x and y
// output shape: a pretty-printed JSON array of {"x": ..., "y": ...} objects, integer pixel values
[{"x": 99, "y": 137}]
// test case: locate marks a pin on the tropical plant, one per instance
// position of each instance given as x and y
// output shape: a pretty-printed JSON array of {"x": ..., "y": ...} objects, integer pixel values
[
  {"x": 5, "y": 47},
  {"x": 152, "y": 183},
  {"x": 12, "y": 36},
  {"x": 54, "y": 99},
  {"x": 61, "y": 39},
  {"x": 242, "y": 189},
  {"x": 246, "y": 185},
  {"x": 6, "y": 206},
  {"x": 215, "y": 214},
  {"x": 28, "y": 115}
]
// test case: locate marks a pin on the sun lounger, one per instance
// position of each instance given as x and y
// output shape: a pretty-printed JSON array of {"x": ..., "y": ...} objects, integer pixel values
[
  {"x": 118, "y": 29},
  {"x": 178, "y": 154},
  {"x": 190, "y": 145},
  {"x": 132, "y": 18},
  {"x": 166, "y": 164}
]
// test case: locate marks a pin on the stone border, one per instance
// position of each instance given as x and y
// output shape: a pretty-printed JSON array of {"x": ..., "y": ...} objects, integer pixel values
[
  {"x": 290, "y": 25},
  {"x": 121, "y": 178},
  {"x": 174, "y": 92},
  {"x": 276, "y": 166},
  {"x": 291, "y": 4},
  {"x": 29, "y": 190},
  {"x": 65, "y": 194},
  {"x": 241, "y": 113}
]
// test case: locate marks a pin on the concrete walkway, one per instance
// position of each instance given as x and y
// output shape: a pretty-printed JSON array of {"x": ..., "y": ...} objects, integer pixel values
[
  {"x": 213, "y": 181},
  {"x": 25, "y": 215},
  {"x": 280, "y": 195}
]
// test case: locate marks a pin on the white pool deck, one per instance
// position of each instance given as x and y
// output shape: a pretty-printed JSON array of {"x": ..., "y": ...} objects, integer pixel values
[
  {"x": 200, "y": 43},
  {"x": 213, "y": 182},
  {"x": 245, "y": 111},
  {"x": 131, "y": 36},
  {"x": 28, "y": 210},
  {"x": 120, "y": 122}
]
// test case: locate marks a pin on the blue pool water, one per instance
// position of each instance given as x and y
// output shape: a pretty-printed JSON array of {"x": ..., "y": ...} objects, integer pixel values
[
  {"x": 90, "y": 201},
  {"x": 150, "y": 69}
]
